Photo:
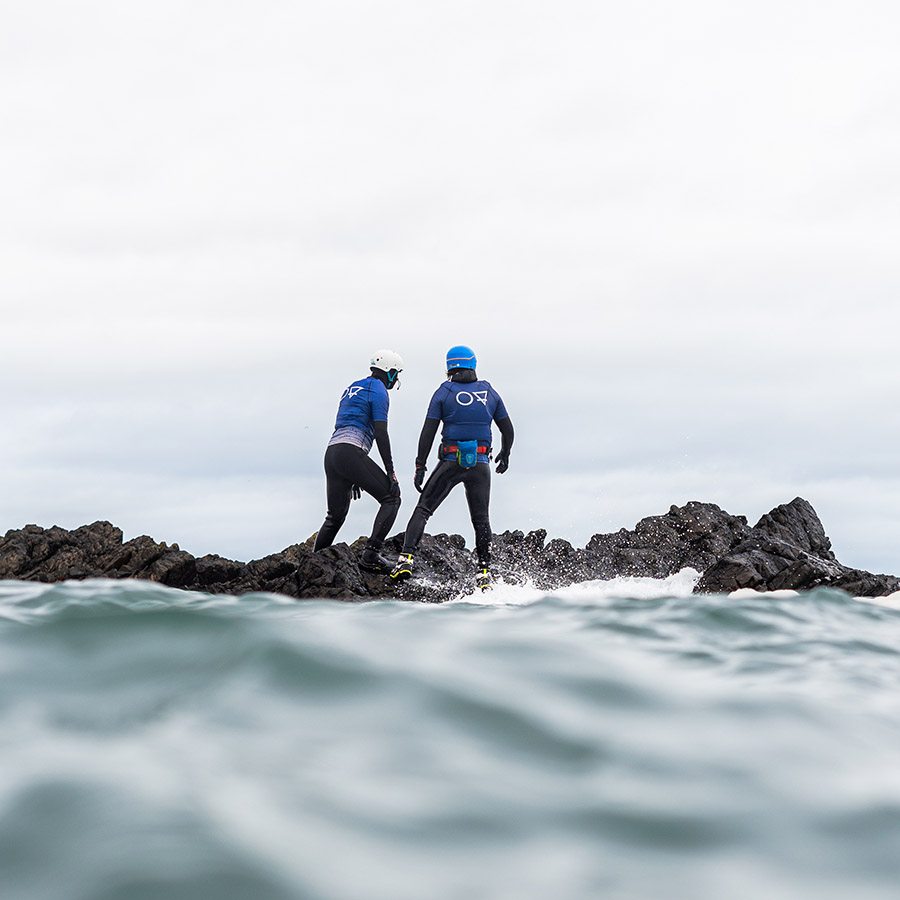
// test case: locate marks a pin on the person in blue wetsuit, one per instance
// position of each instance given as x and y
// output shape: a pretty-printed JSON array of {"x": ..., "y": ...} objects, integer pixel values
[
  {"x": 362, "y": 420},
  {"x": 467, "y": 406}
]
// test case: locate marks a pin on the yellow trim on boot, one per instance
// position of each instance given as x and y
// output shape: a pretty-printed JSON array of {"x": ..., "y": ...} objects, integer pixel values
[
  {"x": 484, "y": 581},
  {"x": 404, "y": 566}
]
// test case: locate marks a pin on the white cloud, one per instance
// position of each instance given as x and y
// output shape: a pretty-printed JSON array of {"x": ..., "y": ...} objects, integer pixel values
[{"x": 669, "y": 230}]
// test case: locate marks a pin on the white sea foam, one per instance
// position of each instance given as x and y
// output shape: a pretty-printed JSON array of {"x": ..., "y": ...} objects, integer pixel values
[
  {"x": 681, "y": 584},
  {"x": 892, "y": 601},
  {"x": 750, "y": 592}
]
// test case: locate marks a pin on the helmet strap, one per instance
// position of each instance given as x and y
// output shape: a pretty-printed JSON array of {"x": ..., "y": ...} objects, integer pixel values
[{"x": 388, "y": 379}]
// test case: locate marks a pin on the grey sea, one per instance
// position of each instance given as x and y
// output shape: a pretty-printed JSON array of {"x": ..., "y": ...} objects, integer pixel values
[{"x": 618, "y": 740}]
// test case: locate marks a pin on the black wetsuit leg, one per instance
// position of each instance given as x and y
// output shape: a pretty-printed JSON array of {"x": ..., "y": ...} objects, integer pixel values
[
  {"x": 478, "y": 496},
  {"x": 445, "y": 477},
  {"x": 345, "y": 466}
]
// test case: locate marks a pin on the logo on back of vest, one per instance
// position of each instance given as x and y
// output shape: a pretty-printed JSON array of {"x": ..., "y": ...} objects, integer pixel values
[
  {"x": 351, "y": 392},
  {"x": 480, "y": 396}
]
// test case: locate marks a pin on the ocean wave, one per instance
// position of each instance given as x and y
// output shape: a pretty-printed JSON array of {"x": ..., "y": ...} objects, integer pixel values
[{"x": 623, "y": 739}]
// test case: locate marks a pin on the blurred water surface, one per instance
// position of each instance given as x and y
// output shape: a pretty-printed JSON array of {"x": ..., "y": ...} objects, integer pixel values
[{"x": 618, "y": 739}]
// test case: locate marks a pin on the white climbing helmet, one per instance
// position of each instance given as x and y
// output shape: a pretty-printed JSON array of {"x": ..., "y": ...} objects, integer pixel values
[{"x": 387, "y": 361}]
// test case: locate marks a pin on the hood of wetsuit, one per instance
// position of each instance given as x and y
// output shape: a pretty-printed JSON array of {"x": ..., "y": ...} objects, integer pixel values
[
  {"x": 463, "y": 376},
  {"x": 389, "y": 379}
]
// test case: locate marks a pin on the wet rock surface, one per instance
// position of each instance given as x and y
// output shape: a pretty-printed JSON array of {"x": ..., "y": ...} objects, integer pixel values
[{"x": 787, "y": 548}]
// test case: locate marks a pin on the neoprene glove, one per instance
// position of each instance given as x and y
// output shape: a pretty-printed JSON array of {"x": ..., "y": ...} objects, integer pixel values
[
  {"x": 502, "y": 461},
  {"x": 419, "y": 478},
  {"x": 355, "y": 492}
]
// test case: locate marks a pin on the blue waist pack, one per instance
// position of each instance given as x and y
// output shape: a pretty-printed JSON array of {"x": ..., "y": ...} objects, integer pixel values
[{"x": 467, "y": 453}]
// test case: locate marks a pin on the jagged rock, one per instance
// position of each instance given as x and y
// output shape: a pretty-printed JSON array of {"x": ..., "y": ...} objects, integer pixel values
[
  {"x": 691, "y": 536},
  {"x": 13, "y": 559},
  {"x": 133, "y": 558},
  {"x": 796, "y": 524},
  {"x": 859, "y": 583},
  {"x": 331, "y": 573},
  {"x": 214, "y": 569},
  {"x": 175, "y": 569},
  {"x": 558, "y": 555},
  {"x": 787, "y": 548}
]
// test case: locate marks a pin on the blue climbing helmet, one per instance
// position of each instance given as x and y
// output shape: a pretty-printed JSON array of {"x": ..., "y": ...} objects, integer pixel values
[{"x": 461, "y": 358}]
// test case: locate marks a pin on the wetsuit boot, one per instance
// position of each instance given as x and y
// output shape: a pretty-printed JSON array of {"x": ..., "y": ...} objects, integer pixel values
[
  {"x": 404, "y": 567},
  {"x": 372, "y": 561},
  {"x": 484, "y": 579}
]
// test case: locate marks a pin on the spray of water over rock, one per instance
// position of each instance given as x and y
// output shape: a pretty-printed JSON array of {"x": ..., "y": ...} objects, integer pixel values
[{"x": 787, "y": 549}]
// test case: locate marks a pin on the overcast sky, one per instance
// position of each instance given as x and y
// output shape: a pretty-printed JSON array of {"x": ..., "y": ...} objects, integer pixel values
[{"x": 670, "y": 231}]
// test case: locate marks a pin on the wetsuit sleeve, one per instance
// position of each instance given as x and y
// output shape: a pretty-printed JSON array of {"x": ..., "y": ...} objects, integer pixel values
[
  {"x": 426, "y": 440},
  {"x": 500, "y": 413},
  {"x": 507, "y": 433},
  {"x": 384, "y": 445}
]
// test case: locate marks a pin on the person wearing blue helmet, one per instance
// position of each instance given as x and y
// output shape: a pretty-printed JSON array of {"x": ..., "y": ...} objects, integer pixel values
[
  {"x": 361, "y": 421},
  {"x": 467, "y": 407}
]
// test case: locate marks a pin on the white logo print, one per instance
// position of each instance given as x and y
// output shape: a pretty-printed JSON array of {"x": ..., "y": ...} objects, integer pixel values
[
  {"x": 351, "y": 392},
  {"x": 464, "y": 398}
]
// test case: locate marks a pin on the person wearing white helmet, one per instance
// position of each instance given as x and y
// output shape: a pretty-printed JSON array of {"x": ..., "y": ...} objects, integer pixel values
[{"x": 362, "y": 419}]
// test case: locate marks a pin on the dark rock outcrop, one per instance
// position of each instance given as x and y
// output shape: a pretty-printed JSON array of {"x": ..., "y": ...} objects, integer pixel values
[{"x": 787, "y": 548}]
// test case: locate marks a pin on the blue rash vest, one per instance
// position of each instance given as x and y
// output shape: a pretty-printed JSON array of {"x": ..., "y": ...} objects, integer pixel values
[
  {"x": 467, "y": 411},
  {"x": 364, "y": 402}
]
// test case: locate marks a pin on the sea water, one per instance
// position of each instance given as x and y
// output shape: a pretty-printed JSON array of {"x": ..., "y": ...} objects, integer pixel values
[{"x": 619, "y": 740}]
